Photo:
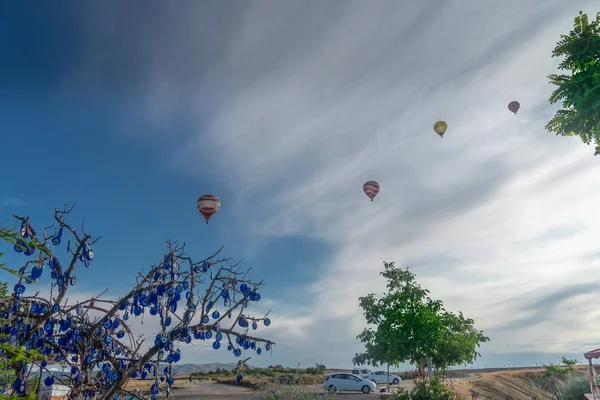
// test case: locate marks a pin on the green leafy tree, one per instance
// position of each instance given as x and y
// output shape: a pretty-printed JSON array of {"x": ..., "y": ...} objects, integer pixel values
[
  {"x": 405, "y": 321},
  {"x": 457, "y": 342},
  {"x": 407, "y": 324},
  {"x": 580, "y": 89}
]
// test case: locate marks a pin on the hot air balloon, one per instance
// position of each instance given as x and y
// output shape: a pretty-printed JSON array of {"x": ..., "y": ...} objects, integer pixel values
[
  {"x": 208, "y": 205},
  {"x": 440, "y": 128},
  {"x": 514, "y": 106},
  {"x": 371, "y": 188}
]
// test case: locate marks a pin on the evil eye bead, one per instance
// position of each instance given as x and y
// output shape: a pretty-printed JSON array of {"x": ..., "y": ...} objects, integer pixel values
[
  {"x": 19, "y": 289},
  {"x": 55, "y": 241},
  {"x": 267, "y": 322},
  {"x": 216, "y": 314},
  {"x": 216, "y": 345}
]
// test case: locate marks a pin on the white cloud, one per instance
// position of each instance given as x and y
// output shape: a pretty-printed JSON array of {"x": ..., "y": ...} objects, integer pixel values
[
  {"x": 13, "y": 202},
  {"x": 313, "y": 101}
]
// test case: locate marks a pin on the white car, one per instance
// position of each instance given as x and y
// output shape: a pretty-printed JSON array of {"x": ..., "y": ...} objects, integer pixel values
[
  {"x": 382, "y": 377},
  {"x": 362, "y": 372},
  {"x": 340, "y": 381}
]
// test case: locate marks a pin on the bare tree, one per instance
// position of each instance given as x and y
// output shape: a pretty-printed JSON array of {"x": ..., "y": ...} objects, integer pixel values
[{"x": 93, "y": 335}]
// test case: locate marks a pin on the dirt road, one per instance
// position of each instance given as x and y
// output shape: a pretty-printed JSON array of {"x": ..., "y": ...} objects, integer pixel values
[{"x": 211, "y": 390}]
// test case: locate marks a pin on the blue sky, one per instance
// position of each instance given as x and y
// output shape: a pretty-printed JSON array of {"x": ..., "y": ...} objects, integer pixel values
[{"x": 283, "y": 110}]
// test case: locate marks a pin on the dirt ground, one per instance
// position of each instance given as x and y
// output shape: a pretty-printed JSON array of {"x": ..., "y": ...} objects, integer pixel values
[{"x": 514, "y": 384}]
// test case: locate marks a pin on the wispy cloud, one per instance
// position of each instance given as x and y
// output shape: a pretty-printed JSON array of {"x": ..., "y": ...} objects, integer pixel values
[
  {"x": 303, "y": 104},
  {"x": 13, "y": 202}
]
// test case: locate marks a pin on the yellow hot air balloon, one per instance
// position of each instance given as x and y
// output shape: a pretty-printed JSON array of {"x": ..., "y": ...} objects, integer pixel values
[{"x": 440, "y": 128}]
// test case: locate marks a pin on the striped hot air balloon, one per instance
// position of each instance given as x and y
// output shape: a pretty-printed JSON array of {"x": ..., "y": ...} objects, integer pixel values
[
  {"x": 208, "y": 205},
  {"x": 371, "y": 188},
  {"x": 514, "y": 106},
  {"x": 440, "y": 128}
]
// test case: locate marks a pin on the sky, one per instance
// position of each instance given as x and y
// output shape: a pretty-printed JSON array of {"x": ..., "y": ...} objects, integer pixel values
[{"x": 283, "y": 109}]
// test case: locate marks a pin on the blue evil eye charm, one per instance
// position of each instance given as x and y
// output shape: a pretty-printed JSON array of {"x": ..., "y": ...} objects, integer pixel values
[
  {"x": 216, "y": 314},
  {"x": 208, "y": 334},
  {"x": 49, "y": 326},
  {"x": 49, "y": 381},
  {"x": 205, "y": 319},
  {"x": 219, "y": 337},
  {"x": 243, "y": 287},
  {"x": 268, "y": 346},
  {"x": 254, "y": 325},
  {"x": 267, "y": 322},
  {"x": 216, "y": 345},
  {"x": 29, "y": 251},
  {"x": 55, "y": 308},
  {"x": 258, "y": 351},
  {"x": 72, "y": 281},
  {"x": 19, "y": 289},
  {"x": 225, "y": 293},
  {"x": 56, "y": 241},
  {"x": 237, "y": 352}
]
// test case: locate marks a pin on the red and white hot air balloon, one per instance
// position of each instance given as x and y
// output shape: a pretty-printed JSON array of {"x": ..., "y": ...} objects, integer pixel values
[
  {"x": 208, "y": 205},
  {"x": 514, "y": 106}
]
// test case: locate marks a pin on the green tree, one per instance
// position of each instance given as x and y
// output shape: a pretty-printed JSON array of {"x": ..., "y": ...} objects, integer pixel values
[
  {"x": 407, "y": 324},
  {"x": 580, "y": 89},
  {"x": 457, "y": 342},
  {"x": 404, "y": 321}
]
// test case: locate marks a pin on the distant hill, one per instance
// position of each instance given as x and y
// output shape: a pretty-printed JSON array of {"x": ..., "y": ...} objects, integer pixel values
[{"x": 186, "y": 369}]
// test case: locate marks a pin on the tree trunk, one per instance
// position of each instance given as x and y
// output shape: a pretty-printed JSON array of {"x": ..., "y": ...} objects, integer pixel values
[
  {"x": 428, "y": 365},
  {"x": 388, "y": 376}
]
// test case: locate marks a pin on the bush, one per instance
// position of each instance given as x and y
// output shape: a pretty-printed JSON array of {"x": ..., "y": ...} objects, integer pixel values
[
  {"x": 430, "y": 389},
  {"x": 285, "y": 392},
  {"x": 574, "y": 389}
]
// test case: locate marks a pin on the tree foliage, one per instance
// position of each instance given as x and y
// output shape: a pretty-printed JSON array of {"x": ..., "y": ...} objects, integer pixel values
[
  {"x": 408, "y": 324},
  {"x": 201, "y": 300},
  {"x": 579, "y": 90}
]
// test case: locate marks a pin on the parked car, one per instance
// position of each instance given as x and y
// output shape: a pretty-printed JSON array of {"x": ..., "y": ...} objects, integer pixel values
[
  {"x": 337, "y": 381},
  {"x": 382, "y": 377},
  {"x": 362, "y": 372}
]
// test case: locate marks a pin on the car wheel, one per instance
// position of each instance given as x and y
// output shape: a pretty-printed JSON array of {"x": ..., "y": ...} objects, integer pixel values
[
  {"x": 332, "y": 389},
  {"x": 396, "y": 381},
  {"x": 366, "y": 389}
]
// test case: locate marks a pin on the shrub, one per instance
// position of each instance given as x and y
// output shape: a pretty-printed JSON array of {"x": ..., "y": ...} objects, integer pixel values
[
  {"x": 286, "y": 392},
  {"x": 574, "y": 389},
  {"x": 430, "y": 389}
]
